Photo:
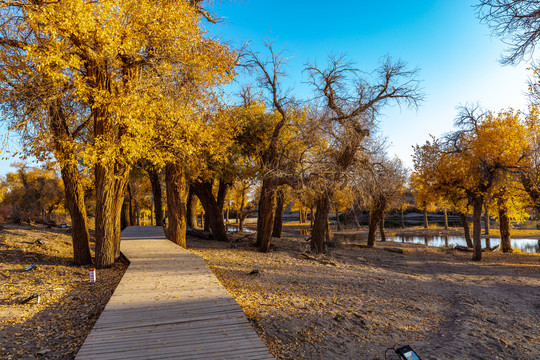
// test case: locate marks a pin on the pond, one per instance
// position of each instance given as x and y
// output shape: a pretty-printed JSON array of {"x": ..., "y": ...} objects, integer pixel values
[
  {"x": 234, "y": 228},
  {"x": 524, "y": 245}
]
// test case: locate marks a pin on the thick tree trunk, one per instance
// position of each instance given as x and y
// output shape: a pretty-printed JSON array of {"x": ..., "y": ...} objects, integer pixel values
[
  {"x": 177, "y": 188},
  {"x": 223, "y": 188},
  {"x": 477, "y": 228},
  {"x": 124, "y": 217},
  {"x": 110, "y": 187},
  {"x": 445, "y": 219},
  {"x": 376, "y": 214},
  {"x": 72, "y": 184},
  {"x": 278, "y": 217},
  {"x": 426, "y": 224},
  {"x": 466, "y": 230},
  {"x": 241, "y": 223},
  {"x": 356, "y": 218},
  {"x": 311, "y": 217},
  {"x": 205, "y": 222},
  {"x": 320, "y": 226},
  {"x": 303, "y": 216},
  {"x": 381, "y": 228},
  {"x": 402, "y": 219},
  {"x": 77, "y": 210},
  {"x": 191, "y": 209},
  {"x": 213, "y": 208},
  {"x": 267, "y": 210},
  {"x": 373, "y": 221},
  {"x": 504, "y": 227},
  {"x": 155, "y": 181}
]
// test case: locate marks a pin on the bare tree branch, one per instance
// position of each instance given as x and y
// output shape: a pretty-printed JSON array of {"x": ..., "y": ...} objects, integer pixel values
[{"x": 517, "y": 22}]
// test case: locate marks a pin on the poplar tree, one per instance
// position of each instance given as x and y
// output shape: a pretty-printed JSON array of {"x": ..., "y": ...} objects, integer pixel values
[{"x": 99, "y": 71}]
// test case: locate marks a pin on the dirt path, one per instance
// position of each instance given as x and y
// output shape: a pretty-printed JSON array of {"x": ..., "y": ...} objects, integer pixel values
[{"x": 355, "y": 303}]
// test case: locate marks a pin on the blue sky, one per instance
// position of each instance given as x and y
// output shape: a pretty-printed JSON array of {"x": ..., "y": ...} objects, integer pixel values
[{"x": 457, "y": 56}]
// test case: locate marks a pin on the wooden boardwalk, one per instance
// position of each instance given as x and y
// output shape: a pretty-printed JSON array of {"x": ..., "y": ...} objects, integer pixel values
[{"x": 169, "y": 305}]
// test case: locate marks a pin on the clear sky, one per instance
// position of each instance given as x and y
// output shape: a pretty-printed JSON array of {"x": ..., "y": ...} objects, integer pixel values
[{"x": 457, "y": 56}]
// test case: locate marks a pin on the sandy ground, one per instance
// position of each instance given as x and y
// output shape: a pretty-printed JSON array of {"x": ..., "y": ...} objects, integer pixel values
[
  {"x": 355, "y": 303},
  {"x": 352, "y": 303},
  {"x": 69, "y": 304}
]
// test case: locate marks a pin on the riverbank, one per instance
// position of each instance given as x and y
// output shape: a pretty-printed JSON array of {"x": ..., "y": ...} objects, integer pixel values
[
  {"x": 354, "y": 303},
  {"x": 432, "y": 230}
]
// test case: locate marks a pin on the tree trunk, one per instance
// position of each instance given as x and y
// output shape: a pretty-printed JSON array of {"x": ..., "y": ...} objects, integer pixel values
[
  {"x": 155, "y": 181},
  {"x": 486, "y": 220},
  {"x": 191, "y": 209},
  {"x": 131, "y": 208},
  {"x": 338, "y": 225},
  {"x": 355, "y": 218},
  {"x": 426, "y": 224},
  {"x": 110, "y": 187},
  {"x": 265, "y": 220},
  {"x": 375, "y": 216},
  {"x": 120, "y": 189},
  {"x": 138, "y": 213},
  {"x": 72, "y": 185},
  {"x": 278, "y": 217},
  {"x": 77, "y": 210},
  {"x": 477, "y": 227},
  {"x": 466, "y": 230},
  {"x": 125, "y": 220},
  {"x": 402, "y": 219},
  {"x": 504, "y": 227},
  {"x": 223, "y": 188},
  {"x": 381, "y": 228},
  {"x": 177, "y": 188},
  {"x": 205, "y": 223},
  {"x": 241, "y": 223},
  {"x": 311, "y": 217},
  {"x": 213, "y": 208},
  {"x": 445, "y": 219},
  {"x": 48, "y": 214},
  {"x": 320, "y": 226},
  {"x": 304, "y": 216}
]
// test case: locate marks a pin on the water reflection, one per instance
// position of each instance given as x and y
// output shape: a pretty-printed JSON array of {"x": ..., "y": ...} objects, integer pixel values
[
  {"x": 233, "y": 228},
  {"x": 524, "y": 245}
]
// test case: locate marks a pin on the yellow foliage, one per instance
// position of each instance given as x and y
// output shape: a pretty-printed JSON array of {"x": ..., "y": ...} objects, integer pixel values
[
  {"x": 479, "y": 160},
  {"x": 135, "y": 78}
]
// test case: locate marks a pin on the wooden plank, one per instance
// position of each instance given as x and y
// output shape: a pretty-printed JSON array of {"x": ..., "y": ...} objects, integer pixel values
[{"x": 169, "y": 305}]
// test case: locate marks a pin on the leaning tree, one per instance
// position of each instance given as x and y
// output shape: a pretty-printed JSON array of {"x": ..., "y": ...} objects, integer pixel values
[{"x": 351, "y": 104}]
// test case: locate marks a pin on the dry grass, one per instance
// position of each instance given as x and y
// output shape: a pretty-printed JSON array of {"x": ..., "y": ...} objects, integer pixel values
[{"x": 68, "y": 305}]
